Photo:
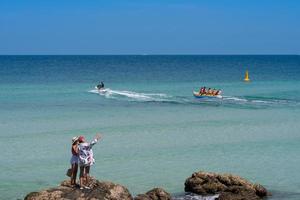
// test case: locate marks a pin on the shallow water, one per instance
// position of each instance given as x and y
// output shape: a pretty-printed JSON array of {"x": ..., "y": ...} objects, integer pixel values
[{"x": 155, "y": 133}]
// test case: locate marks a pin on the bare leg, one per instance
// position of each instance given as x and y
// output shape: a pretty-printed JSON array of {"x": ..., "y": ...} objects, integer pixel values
[
  {"x": 72, "y": 169},
  {"x": 87, "y": 174},
  {"x": 74, "y": 173},
  {"x": 81, "y": 175}
]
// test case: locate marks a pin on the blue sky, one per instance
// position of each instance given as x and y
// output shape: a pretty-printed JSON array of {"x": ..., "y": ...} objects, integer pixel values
[{"x": 149, "y": 27}]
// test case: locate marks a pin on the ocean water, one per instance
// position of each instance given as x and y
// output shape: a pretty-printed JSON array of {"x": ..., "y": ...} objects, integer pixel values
[{"x": 155, "y": 133}]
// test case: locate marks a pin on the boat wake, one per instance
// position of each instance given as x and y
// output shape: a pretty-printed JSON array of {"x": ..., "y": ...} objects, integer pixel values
[
  {"x": 259, "y": 101},
  {"x": 230, "y": 101},
  {"x": 131, "y": 96}
]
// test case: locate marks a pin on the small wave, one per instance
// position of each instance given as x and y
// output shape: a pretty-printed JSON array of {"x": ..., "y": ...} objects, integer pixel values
[
  {"x": 234, "y": 98},
  {"x": 259, "y": 101}
]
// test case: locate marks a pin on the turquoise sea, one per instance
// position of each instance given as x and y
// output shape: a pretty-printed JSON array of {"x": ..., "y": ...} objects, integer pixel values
[{"x": 155, "y": 133}]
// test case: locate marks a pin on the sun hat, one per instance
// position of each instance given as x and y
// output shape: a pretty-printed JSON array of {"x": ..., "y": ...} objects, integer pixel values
[{"x": 74, "y": 139}]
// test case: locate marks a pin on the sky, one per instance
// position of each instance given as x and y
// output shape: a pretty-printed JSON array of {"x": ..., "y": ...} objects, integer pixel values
[{"x": 96, "y": 27}]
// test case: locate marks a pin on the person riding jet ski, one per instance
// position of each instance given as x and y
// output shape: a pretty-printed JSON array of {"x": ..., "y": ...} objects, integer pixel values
[{"x": 100, "y": 86}]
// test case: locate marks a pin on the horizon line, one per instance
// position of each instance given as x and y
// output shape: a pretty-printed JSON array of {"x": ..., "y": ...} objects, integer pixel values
[{"x": 149, "y": 54}]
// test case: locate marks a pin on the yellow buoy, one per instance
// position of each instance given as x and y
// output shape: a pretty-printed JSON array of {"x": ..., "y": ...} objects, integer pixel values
[{"x": 246, "y": 76}]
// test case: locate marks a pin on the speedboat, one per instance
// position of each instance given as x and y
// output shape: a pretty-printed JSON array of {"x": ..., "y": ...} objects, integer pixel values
[{"x": 197, "y": 95}]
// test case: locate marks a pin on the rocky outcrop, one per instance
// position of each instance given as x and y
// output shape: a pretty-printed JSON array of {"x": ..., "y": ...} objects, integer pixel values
[
  {"x": 101, "y": 190},
  {"x": 228, "y": 186},
  {"x": 154, "y": 194},
  {"x": 223, "y": 186}
]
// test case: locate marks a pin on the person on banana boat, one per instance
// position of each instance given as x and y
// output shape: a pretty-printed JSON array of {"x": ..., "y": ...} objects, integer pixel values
[
  {"x": 201, "y": 90},
  {"x": 215, "y": 92},
  {"x": 204, "y": 90},
  {"x": 209, "y": 92}
]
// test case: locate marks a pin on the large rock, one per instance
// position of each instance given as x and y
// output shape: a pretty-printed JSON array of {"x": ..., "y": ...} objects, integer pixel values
[
  {"x": 227, "y": 185},
  {"x": 101, "y": 190},
  {"x": 154, "y": 194}
]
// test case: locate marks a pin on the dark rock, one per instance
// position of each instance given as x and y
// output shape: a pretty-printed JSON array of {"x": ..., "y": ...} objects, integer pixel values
[
  {"x": 101, "y": 190},
  {"x": 227, "y": 185},
  {"x": 239, "y": 195},
  {"x": 154, "y": 194},
  {"x": 261, "y": 191}
]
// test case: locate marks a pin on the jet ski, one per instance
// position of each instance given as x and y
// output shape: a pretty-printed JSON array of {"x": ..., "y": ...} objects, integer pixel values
[{"x": 101, "y": 90}]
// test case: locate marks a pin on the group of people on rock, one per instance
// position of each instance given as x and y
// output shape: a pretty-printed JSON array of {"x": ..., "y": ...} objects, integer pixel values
[
  {"x": 82, "y": 157},
  {"x": 209, "y": 91}
]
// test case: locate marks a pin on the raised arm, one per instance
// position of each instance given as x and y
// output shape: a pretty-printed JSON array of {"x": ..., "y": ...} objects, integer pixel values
[{"x": 94, "y": 141}]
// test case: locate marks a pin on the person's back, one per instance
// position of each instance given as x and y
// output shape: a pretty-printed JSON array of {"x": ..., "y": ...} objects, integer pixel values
[
  {"x": 86, "y": 159},
  {"x": 86, "y": 156}
]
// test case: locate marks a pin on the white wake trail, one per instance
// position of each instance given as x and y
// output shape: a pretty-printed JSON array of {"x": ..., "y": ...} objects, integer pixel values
[{"x": 131, "y": 95}]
